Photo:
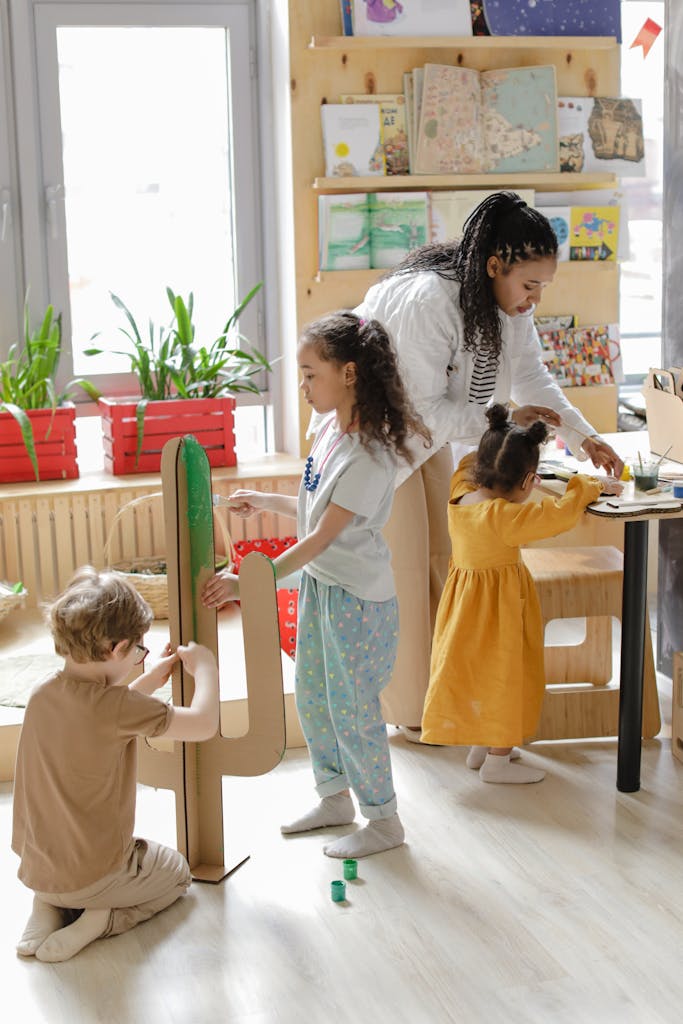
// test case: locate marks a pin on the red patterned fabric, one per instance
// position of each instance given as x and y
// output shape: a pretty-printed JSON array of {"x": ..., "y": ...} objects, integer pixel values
[{"x": 287, "y": 600}]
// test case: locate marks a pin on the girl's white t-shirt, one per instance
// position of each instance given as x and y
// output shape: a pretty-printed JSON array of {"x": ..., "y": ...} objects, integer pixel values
[{"x": 362, "y": 482}]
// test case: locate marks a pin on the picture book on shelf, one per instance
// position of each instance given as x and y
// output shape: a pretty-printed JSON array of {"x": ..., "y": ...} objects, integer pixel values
[
  {"x": 344, "y": 232},
  {"x": 601, "y": 134},
  {"x": 560, "y": 221},
  {"x": 582, "y": 356},
  {"x": 561, "y": 18},
  {"x": 593, "y": 232},
  {"x": 346, "y": 9},
  {"x": 448, "y": 210},
  {"x": 399, "y": 222},
  {"x": 412, "y": 18},
  {"x": 392, "y": 113},
  {"x": 352, "y": 139},
  {"x": 473, "y": 122}
]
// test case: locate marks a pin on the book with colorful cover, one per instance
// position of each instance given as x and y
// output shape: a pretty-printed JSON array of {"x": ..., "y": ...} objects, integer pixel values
[
  {"x": 399, "y": 223},
  {"x": 475, "y": 122},
  {"x": 599, "y": 133},
  {"x": 593, "y": 232},
  {"x": 582, "y": 356},
  {"x": 409, "y": 93},
  {"x": 352, "y": 139},
  {"x": 448, "y": 210},
  {"x": 560, "y": 222},
  {"x": 344, "y": 232},
  {"x": 412, "y": 18},
  {"x": 392, "y": 110},
  {"x": 561, "y": 18}
]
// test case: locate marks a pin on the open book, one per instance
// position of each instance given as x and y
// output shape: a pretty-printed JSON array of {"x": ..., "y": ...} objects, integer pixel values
[{"x": 473, "y": 122}]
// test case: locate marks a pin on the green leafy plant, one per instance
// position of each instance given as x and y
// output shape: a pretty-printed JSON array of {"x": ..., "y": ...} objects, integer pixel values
[
  {"x": 169, "y": 362},
  {"x": 27, "y": 377}
]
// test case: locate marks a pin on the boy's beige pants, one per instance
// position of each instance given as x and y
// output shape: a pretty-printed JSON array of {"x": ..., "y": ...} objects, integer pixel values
[
  {"x": 152, "y": 878},
  {"x": 417, "y": 534}
]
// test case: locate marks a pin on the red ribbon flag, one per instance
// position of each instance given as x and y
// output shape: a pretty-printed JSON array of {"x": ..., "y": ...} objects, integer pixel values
[{"x": 646, "y": 36}]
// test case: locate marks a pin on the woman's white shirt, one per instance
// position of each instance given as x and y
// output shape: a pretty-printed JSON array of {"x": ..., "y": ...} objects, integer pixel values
[{"x": 422, "y": 315}]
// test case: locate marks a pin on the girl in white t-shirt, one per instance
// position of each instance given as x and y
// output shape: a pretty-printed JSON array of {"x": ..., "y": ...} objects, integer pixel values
[{"x": 348, "y": 615}]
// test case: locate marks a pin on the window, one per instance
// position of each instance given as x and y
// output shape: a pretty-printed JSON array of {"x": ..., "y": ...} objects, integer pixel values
[
  {"x": 641, "y": 272},
  {"x": 138, "y": 169}
]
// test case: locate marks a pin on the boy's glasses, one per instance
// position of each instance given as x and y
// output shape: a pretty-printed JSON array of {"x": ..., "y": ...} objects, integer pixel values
[{"x": 142, "y": 654}]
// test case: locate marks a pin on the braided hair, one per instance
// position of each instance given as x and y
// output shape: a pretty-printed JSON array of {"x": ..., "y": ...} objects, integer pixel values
[
  {"x": 507, "y": 453},
  {"x": 382, "y": 408},
  {"x": 503, "y": 225}
]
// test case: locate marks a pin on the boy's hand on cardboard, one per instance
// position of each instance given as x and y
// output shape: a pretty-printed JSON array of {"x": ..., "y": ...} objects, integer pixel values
[
  {"x": 160, "y": 672},
  {"x": 220, "y": 588},
  {"x": 196, "y": 657}
]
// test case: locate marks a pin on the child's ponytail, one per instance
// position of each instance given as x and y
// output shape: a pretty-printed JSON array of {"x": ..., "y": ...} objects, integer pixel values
[{"x": 507, "y": 453}]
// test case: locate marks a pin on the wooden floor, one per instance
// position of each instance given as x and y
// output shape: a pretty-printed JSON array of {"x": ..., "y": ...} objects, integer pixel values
[{"x": 552, "y": 903}]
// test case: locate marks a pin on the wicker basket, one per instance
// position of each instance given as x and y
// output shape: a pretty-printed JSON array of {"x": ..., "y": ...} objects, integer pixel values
[
  {"x": 10, "y": 601},
  {"x": 148, "y": 575}
]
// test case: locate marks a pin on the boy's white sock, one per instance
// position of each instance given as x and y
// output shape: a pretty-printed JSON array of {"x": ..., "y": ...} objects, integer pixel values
[
  {"x": 65, "y": 943},
  {"x": 378, "y": 835},
  {"x": 497, "y": 768},
  {"x": 477, "y": 756},
  {"x": 332, "y": 810},
  {"x": 44, "y": 920}
]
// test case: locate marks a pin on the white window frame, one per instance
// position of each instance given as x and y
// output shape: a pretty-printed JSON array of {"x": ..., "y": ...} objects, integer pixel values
[
  {"x": 11, "y": 282},
  {"x": 34, "y": 51}
]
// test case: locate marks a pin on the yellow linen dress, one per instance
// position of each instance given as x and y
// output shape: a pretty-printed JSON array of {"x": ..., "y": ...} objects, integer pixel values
[{"x": 487, "y": 677}]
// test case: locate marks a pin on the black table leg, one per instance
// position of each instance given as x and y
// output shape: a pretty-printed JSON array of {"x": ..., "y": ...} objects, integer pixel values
[{"x": 634, "y": 607}]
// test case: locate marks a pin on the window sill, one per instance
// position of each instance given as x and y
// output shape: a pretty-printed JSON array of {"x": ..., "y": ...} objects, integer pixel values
[{"x": 94, "y": 478}]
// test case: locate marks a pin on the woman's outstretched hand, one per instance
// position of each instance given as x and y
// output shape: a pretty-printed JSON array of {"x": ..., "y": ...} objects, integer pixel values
[
  {"x": 603, "y": 456},
  {"x": 525, "y": 415}
]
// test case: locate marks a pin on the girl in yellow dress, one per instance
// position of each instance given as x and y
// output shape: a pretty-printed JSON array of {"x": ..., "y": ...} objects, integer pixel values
[{"x": 487, "y": 678}]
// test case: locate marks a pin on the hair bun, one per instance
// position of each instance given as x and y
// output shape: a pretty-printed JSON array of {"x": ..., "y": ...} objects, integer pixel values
[
  {"x": 537, "y": 432},
  {"x": 497, "y": 415}
]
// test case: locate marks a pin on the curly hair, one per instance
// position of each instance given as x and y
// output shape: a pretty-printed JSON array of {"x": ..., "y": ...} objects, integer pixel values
[
  {"x": 502, "y": 225},
  {"x": 507, "y": 453},
  {"x": 96, "y": 611},
  {"x": 382, "y": 408}
]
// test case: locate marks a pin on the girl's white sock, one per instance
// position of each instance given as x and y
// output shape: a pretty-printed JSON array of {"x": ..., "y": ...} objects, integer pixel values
[
  {"x": 477, "y": 756},
  {"x": 65, "y": 943},
  {"x": 44, "y": 920},
  {"x": 497, "y": 768},
  {"x": 332, "y": 810},
  {"x": 378, "y": 835}
]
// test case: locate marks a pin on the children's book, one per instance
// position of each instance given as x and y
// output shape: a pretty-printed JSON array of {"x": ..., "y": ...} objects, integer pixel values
[
  {"x": 344, "y": 232},
  {"x": 408, "y": 92},
  {"x": 593, "y": 232},
  {"x": 601, "y": 134},
  {"x": 582, "y": 356},
  {"x": 352, "y": 139},
  {"x": 392, "y": 112},
  {"x": 555, "y": 323},
  {"x": 412, "y": 18},
  {"x": 473, "y": 122},
  {"x": 560, "y": 222},
  {"x": 399, "y": 222},
  {"x": 559, "y": 18},
  {"x": 449, "y": 210},
  {"x": 346, "y": 9},
  {"x": 418, "y": 84}
]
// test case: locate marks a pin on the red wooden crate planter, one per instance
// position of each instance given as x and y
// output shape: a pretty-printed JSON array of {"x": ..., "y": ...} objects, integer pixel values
[
  {"x": 56, "y": 452},
  {"x": 210, "y": 420}
]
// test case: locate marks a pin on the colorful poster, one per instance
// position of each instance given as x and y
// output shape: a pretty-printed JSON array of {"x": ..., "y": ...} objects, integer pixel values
[
  {"x": 593, "y": 232},
  {"x": 582, "y": 356}
]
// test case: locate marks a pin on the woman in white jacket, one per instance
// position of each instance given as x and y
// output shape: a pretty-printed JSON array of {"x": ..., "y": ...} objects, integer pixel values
[{"x": 460, "y": 316}]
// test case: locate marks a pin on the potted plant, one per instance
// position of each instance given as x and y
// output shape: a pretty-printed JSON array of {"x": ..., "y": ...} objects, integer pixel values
[
  {"x": 37, "y": 423},
  {"x": 186, "y": 388}
]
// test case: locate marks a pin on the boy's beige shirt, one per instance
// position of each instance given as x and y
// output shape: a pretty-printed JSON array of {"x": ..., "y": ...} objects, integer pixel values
[{"x": 75, "y": 779}]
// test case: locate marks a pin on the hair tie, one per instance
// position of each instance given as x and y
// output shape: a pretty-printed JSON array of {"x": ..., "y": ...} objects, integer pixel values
[{"x": 361, "y": 321}]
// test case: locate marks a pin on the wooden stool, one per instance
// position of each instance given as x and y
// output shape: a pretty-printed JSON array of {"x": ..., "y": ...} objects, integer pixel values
[{"x": 580, "y": 701}]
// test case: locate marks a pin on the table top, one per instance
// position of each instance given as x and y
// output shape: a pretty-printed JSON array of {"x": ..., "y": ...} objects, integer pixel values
[{"x": 631, "y": 506}]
